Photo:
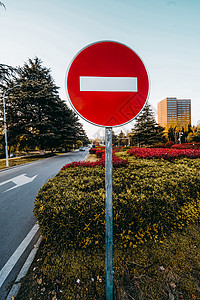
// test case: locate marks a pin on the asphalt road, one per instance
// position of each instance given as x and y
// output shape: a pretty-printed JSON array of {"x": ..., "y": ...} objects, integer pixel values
[{"x": 18, "y": 189}]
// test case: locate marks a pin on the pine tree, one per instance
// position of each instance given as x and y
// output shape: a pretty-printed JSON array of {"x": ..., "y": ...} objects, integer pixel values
[
  {"x": 196, "y": 137},
  {"x": 114, "y": 139},
  {"x": 172, "y": 134},
  {"x": 6, "y": 72},
  {"x": 2, "y": 4},
  {"x": 146, "y": 131},
  {"x": 122, "y": 139},
  {"x": 36, "y": 116}
]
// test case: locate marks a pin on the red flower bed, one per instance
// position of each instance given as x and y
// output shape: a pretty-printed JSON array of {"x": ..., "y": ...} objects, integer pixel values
[
  {"x": 169, "y": 144},
  {"x": 164, "y": 153},
  {"x": 186, "y": 146},
  {"x": 99, "y": 153},
  {"x": 92, "y": 150},
  {"x": 117, "y": 162}
]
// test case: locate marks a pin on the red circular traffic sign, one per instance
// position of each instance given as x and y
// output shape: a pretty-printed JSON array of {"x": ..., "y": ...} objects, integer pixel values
[{"x": 107, "y": 84}]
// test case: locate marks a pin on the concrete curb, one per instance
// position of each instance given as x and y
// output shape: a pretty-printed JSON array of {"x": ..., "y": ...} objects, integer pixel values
[{"x": 16, "y": 286}]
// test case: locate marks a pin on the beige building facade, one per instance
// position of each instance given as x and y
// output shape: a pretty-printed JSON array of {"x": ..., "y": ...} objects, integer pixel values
[{"x": 174, "y": 112}]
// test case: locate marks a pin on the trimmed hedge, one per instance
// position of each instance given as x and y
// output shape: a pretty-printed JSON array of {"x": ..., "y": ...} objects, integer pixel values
[
  {"x": 151, "y": 199},
  {"x": 164, "y": 153},
  {"x": 92, "y": 150},
  {"x": 99, "y": 153},
  {"x": 117, "y": 162},
  {"x": 187, "y": 146},
  {"x": 169, "y": 144}
]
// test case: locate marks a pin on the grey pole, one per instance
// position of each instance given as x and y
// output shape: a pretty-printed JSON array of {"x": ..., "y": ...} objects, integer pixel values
[
  {"x": 109, "y": 215},
  {"x": 5, "y": 127}
]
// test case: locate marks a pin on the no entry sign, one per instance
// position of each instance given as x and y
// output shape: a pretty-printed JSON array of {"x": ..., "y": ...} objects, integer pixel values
[{"x": 107, "y": 84}]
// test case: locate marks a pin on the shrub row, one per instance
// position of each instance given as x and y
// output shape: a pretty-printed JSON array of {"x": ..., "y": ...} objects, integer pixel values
[
  {"x": 169, "y": 144},
  {"x": 94, "y": 150},
  {"x": 151, "y": 199},
  {"x": 102, "y": 149},
  {"x": 164, "y": 153},
  {"x": 117, "y": 162},
  {"x": 187, "y": 146}
]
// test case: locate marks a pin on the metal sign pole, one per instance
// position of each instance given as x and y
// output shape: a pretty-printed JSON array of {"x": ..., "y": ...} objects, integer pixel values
[
  {"x": 5, "y": 129},
  {"x": 109, "y": 214}
]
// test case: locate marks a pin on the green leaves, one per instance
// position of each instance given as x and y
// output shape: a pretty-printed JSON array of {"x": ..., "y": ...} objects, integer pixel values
[
  {"x": 146, "y": 131},
  {"x": 151, "y": 199},
  {"x": 36, "y": 116}
]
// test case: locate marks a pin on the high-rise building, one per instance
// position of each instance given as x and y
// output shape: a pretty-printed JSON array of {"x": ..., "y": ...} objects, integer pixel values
[{"x": 174, "y": 112}]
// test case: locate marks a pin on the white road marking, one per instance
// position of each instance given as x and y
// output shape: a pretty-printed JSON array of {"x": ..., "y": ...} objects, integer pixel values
[
  {"x": 86, "y": 156},
  {"x": 108, "y": 84},
  {"x": 19, "y": 181},
  {"x": 15, "y": 288},
  {"x": 5, "y": 271}
]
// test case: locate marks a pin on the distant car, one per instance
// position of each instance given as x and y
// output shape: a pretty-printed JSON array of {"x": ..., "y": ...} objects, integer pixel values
[{"x": 81, "y": 149}]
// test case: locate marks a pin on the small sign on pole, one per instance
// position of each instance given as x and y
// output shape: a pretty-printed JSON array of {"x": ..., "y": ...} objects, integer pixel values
[{"x": 107, "y": 85}]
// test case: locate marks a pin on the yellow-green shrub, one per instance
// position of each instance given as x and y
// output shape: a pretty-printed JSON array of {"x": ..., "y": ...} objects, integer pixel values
[{"x": 151, "y": 199}]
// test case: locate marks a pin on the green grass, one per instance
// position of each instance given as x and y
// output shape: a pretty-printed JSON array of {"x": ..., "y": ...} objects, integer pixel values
[
  {"x": 16, "y": 162},
  {"x": 20, "y": 161},
  {"x": 152, "y": 271}
]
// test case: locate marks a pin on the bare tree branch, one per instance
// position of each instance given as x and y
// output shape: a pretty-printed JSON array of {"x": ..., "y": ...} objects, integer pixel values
[{"x": 1, "y": 4}]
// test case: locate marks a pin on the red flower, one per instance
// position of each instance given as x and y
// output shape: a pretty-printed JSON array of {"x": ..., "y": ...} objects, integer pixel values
[
  {"x": 164, "y": 153},
  {"x": 117, "y": 162}
]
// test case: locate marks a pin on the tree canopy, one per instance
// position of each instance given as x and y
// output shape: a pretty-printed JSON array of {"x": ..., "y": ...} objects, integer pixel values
[
  {"x": 6, "y": 72},
  {"x": 2, "y": 4},
  {"x": 146, "y": 131},
  {"x": 196, "y": 137},
  {"x": 36, "y": 116}
]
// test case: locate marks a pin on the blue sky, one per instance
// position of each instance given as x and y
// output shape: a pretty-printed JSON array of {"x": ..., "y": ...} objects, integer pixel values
[{"x": 165, "y": 33}]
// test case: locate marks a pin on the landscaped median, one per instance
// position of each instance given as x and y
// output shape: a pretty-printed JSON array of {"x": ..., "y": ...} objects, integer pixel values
[
  {"x": 164, "y": 153},
  {"x": 156, "y": 231}
]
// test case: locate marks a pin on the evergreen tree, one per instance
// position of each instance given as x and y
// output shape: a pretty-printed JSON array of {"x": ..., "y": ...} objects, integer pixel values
[
  {"x": 6, "y": 72},
  {"x": 122, "y": 140},
  {"x": 36, "y": 116},
  {"x": 172, "y": 134},
  {"x": 2, "y": 4},
  {"x": 146, "y": 131},
  {"x": 196, "y": 137},
  {"x": 114, "y": 139}
]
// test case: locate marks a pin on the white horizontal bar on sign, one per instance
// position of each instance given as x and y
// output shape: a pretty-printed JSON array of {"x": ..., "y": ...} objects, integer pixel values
[{"x": 108, "y": 84}]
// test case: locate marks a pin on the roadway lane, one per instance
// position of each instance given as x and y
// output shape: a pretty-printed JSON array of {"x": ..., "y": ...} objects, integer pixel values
[{"x": 18, "y": 189}]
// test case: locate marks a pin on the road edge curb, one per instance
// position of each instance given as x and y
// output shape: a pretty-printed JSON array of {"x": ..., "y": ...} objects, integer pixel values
[
  {"x": 32, "y": 162},
  {"x": 17, "y": 284}
]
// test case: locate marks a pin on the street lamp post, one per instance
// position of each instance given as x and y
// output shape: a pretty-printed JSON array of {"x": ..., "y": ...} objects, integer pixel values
[
  {"x": 180, "y": 135},
  {"x": 5, "y": 128}
]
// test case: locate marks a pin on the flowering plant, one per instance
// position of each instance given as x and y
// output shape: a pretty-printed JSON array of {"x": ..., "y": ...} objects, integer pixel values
[
  {"x": 164, "y": 153},
  {"x": 169, "y": 144},
  {"x": 92, "y": 150},
  {"x": 117, "y": 162},
  {"x": 99, "y": 153},
  {"x": 187, "y": 146}
]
